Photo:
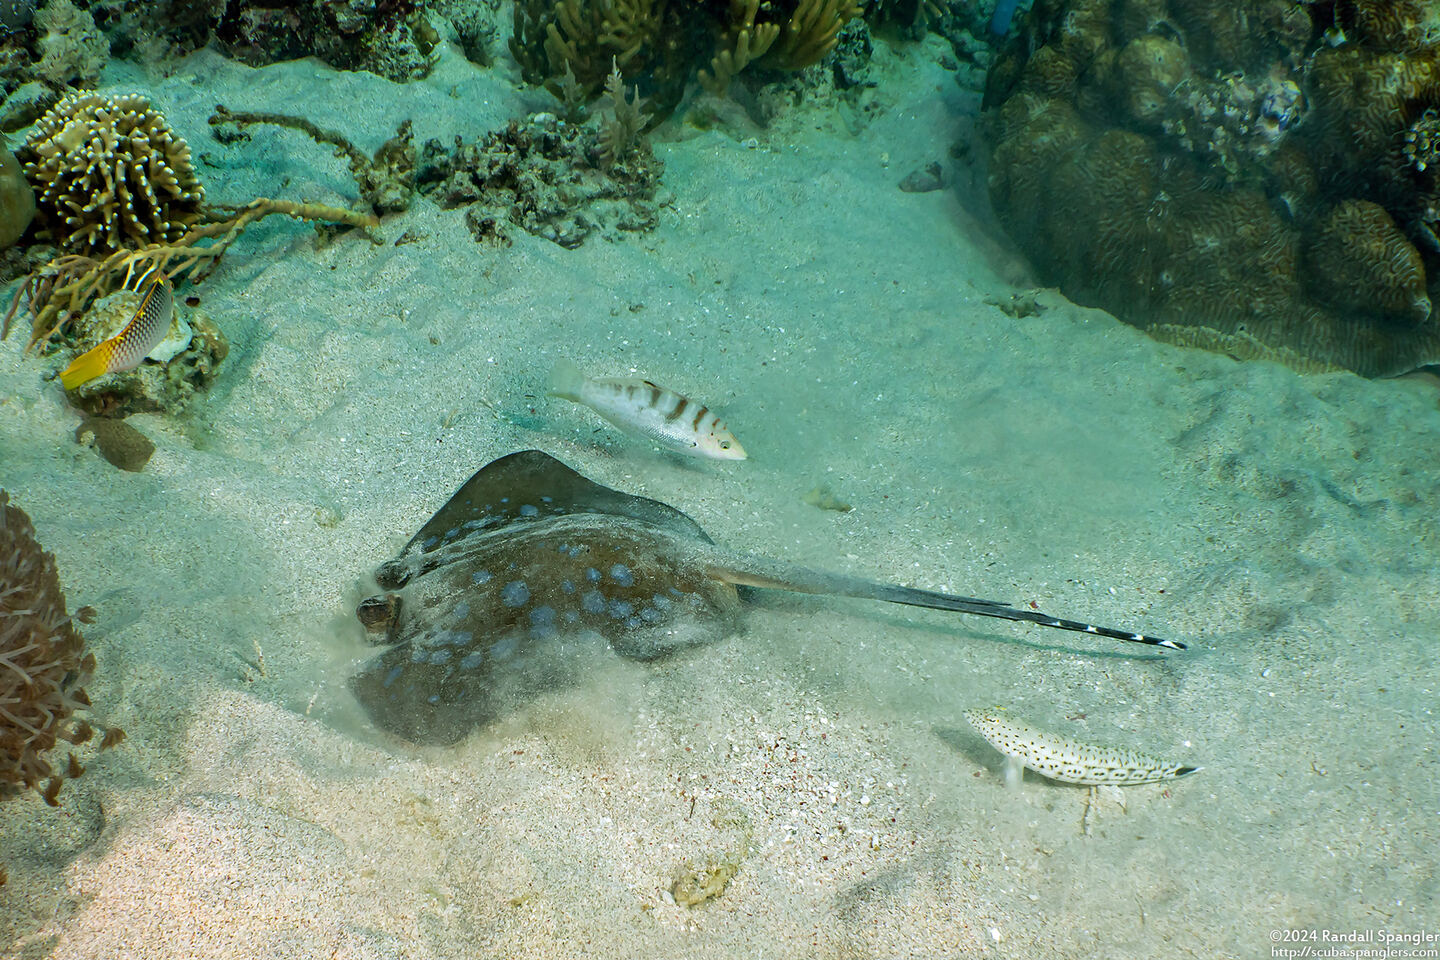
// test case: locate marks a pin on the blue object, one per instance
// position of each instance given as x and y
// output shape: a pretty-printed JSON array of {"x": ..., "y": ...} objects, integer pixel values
[{"x": 1003, "y": 15}]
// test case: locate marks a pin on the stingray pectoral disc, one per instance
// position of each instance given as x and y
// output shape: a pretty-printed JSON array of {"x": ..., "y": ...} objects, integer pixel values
[{"x": 525, "y": 588}]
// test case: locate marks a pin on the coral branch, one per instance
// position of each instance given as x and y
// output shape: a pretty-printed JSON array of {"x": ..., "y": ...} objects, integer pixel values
[
  {"x": 65, "y": 286},
  {"x": 386, "y": 180}
]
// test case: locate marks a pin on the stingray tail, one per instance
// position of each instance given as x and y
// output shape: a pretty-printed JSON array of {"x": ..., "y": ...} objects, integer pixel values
[{"x": 814, "y": 581}]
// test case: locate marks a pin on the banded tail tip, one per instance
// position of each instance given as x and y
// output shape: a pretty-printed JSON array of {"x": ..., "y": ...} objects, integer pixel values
[{"x": 566, "y": 381}]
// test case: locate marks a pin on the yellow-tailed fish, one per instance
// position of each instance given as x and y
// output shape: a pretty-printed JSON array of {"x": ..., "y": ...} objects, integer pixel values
[
  {"x": 1066, "y": 760},
  {"x": 648, "y": 409},
  {"x": 126, "y": 349}
]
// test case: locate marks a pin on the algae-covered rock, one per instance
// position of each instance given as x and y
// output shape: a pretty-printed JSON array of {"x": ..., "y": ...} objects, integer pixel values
[{"x": 182, "y": 364}]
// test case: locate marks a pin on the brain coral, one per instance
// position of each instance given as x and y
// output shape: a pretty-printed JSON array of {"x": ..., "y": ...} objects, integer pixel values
[
  {"x": 1262, "y": 172},
  {"x": 108, "y": 173},
  {"x": 42, "y": 663}
]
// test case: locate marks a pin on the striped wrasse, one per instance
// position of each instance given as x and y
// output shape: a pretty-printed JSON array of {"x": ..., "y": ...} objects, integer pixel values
[
  {"x": 673, "y": 421},
  {"x": 1063, "y": 759},
  {"x": 126, "y": 349}
]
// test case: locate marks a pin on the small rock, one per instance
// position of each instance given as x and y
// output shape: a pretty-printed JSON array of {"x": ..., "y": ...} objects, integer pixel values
[
  {"x": 924, "y": 180},
  {"x": 117, "y": 441}
]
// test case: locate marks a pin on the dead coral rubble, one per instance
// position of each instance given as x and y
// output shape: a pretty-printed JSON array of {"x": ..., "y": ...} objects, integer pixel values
[
  {"x": 557, "y": 180},
  {"x": 43, "y": 666},
  {"x": 1256, "y": 172}
]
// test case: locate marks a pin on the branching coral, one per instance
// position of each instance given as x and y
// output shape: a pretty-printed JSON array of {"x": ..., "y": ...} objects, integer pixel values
[
  {"x": 662, "y": 44},
  {"x": 744, "y": 41},
  {"x": 583, "y": 36},
  {"x": 43, "y": 665},
  {"x": 65, "y": 286},
  {"x": 118, "y": 192},
  {"x": 386, "y": 180},
  {"x": 620, "y": 131},
  {"x": 109, "y": 172},
  {"x": 810, "y": 33}
]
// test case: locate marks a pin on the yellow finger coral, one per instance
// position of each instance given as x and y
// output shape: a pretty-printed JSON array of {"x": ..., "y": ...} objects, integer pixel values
[{"x": 109, "y": 173}]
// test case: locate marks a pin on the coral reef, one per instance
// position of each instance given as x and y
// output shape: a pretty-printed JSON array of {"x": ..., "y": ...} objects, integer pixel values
[
  {"x": 43, "y": 666},
  {"x": 118, "y": 193},
  {"x": 660, "y": 46},
  {"x": 155, "y": 30},
  {"x": 72, "y": 49},
  {"x": 1261, "y": 171},
  {"x": 555, "y": 179},
  {"x": 391, "y": 38},
  {"x": 62, "y": 289},
  {"x": 109, "y": 172}
]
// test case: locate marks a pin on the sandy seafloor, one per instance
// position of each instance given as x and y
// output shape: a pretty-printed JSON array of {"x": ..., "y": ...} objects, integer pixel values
[{"x": 1282, "y": 525}]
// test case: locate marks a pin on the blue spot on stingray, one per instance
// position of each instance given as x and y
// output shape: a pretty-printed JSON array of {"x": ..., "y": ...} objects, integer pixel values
[
  {"x": 472, "y": 660},
  {"x": 392, "y": 676},
  {"x": 440, "y": 656},
  {"x": 515, "y": 594},
  {"x": 541, "y": 616},
  {"x": 593, "y": 601},
  {"x": 461, "y": 638},
  {"x": 563, "y": 548},
  {"x": 592, "y": 574},
  {"x": 620, "y": 609},
  {"x": 433, "y": 698},
  {"x": 546, "y": 499},
  {"x": 418, "y": 655},
  {"x": 504, "y": 499},
  {"x": 576, "y": 551},
  {"x": 571, "y": 616},
  {"x": 651, "y": 615},
  {"x": 461, "y": 611},
  {"x": 430, "y": 542},
  {"x": 452, "y": 533},
  {"x": 567, "y": 586},
  {"x": 481, "y": 576},
  {"x": 633, "y": 623},
  {"x": 502, "y": 649},
  {"x": 662, "y": 602},
  {"x": 675, "y": 593},
  {"x": 621, "y": 574},
  {"x": 529, "y": 511}
]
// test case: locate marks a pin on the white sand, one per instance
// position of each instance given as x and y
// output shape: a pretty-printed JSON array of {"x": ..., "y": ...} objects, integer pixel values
[{"x": 1282, "y": 525}]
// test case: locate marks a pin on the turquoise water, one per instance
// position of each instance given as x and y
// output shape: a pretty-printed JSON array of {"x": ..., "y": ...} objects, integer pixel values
[{"x": 817, "y": 761}]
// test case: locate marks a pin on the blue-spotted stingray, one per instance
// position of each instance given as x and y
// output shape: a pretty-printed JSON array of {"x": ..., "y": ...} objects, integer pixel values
[{"x": 530, "y": 572}]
